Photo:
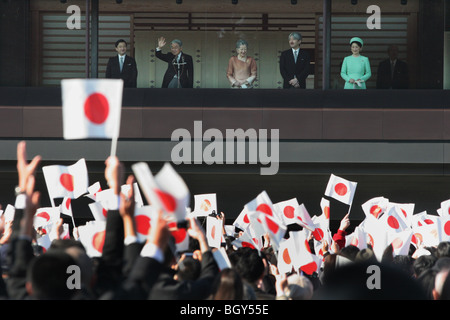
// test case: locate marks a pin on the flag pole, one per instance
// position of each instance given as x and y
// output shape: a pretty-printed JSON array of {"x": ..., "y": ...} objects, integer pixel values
[{"x": 113, "y": 146}]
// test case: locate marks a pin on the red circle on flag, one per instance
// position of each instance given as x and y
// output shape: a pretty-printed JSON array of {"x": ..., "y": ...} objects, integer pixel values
[
  {"x": 142, "y": 224},
  {"x": 246, "y": 220},
  {"x": 246, "y": 244},
  {"x": 397, "y": 243},
  {"x": 98, "y": 240},
  {"x": 354, "y": 242},
  {"x": 272, "y": 225},
  {"x": 179, "y": 235},
  {"x": 375, "y": 210},
  {"x": 264, "y": 208},
  {"x": 43, "y": 215},
  {"x": 307, "y": 246},
  {"x": 417, "y": 238},
  {"x": 96, "y": 108},
  {"x": 68, "y": 201},
  {"x": 289, "y": 212},
  {"x": 213, "y": 232},
  {"x": 286, "y": 257},
  {"x": 428, "y": 221},
  {"x": 447, "y": 228},
  {"x": 393, "y": 222},
  {"x": 318, "y": 234},
  {"x": 168, "y": 201},
  {"x": 309, "y": 268},
  {"x": 340, "y": 189},
  {"x": 66, "y": 181},
  {"x": 326, "y": 212}
]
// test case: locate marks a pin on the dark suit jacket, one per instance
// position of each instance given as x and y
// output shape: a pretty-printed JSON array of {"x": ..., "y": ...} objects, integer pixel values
[
  {"x": 167, "y": 288},
  {"x": 186, "y": 71},
  {"x": 289, "y": 69},
  {"x": 400, "y": 79},
  {"x": 128, "y": 74}
]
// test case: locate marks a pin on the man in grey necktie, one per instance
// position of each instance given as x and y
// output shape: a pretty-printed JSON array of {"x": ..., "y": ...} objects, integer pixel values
[{"x": 121, "y": 63}]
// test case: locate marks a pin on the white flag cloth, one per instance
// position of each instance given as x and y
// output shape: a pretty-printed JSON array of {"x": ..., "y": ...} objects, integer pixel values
[
  {"x": 66, "y": 181},
  {"x": 286, "y": 210},
  {"x": 91, "y": 108},
  {"x": 405, "y": 210},
  {"x": 98, "y": 211},
  {"x": 445, "y": 209},
  {"x": 180, "y": 235},
  {"x": 166, "y": 190},
  {"x": 341, "y": 189},
  {"x": 325, "y": 206},
  {"x": 303, "y": 218},
  {"x": 93, "y": 189},
  {"x": 245, "y": 241},
  {"x": 274, "y": 227},
  {"x": 287, "y": 253},
  {"x": 359, "y": 238},
  {"x": 204, "y": 204},
  {"x": 375, "y": 206},
  {"x": 222, "y": 260}
]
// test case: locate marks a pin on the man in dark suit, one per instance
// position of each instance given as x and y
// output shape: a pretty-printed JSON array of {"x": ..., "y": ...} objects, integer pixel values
[
  {"x": 294, "y": 64},
  {"x": 392, "y": 72},
  {"x": 122, "y": 66},
  {"x": 180, "y": 68}
]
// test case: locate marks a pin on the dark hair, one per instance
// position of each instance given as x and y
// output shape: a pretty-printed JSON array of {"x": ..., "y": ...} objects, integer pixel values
[
  {"x": 120, "y": 41},
  {"x": 228, "y": 285},
  {"x": 249, "y": 264},
  {"x": 443, "y": 249},
  {"x": 357, "y": 42},
  {"x": 423, "y": 263},
  {"x": 349, "y": 252},
  {"x": 190, "y": 269},
  {"x": 48, "y": 276}
]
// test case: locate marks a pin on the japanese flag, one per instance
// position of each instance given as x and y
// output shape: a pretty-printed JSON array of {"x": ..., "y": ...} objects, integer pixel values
[
  {"x": 204, "y": 204},
  {"x": 393, "y": 220},
  {"x": 341, "y": 189},
  {"x": 286, "y": 210},
  {"x": 445, "y": 209},
  {"x": 375, "y": 206},
  {"x": 99, "y": 212},
  {"x": 400, "y": 242},
  {"x": 66, "y": 181},
  {"x": 325, "y": 206},
  {"x": 262, "y": 203},
  {"x": 275, "y": 228},
  {"x": 306, "y": 261},
  {"x": 92, "y": 236},
  {"x": 242, "y": 221},
  {"x": 91, "y": 108},
  {"x": 214, "y": 232},
  {"x": 142, "y": 219},
  {"x": 406, "y": 211},
  {"x": 245, "y": 240},
  {"x": 444, "y": 228},
  {"x": 287, "y": 254},
  {"x": 180, "y": 235},
  {"x": 45, "y": 216},
  {"x": 166, "y": 190}
]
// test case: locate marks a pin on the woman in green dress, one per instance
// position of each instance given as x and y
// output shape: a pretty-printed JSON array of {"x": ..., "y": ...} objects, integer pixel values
[{"x": 356, "y": 68}]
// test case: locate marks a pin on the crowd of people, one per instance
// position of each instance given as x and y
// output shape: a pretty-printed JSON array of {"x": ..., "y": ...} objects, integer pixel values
[
  {"x": 154, "y": 270},
  {"x": 294, "y": 66}
]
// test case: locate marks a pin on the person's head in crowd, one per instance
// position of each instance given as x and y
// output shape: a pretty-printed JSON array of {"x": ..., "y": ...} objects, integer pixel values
[
  {"x": 427, "y": 280},
  {"x": 299, "y": 287},
  {"x": 443, "y": 249},
  {"x": 366, "y": 255},
  {"x": 228, "y": 285},
  {"x": 47, "y": 276},
  {"x": 439, "y": 282},
  {"x": 249, "y": 264},
  {"x": 423, "y": 263},
  {"x": 404, "y": 263},
  {"x": 355, "y": 281},
  {"x": 188, "y": 269},
  {"x": 445, "y": 293},
  {"x": 349, "y": 252}
]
